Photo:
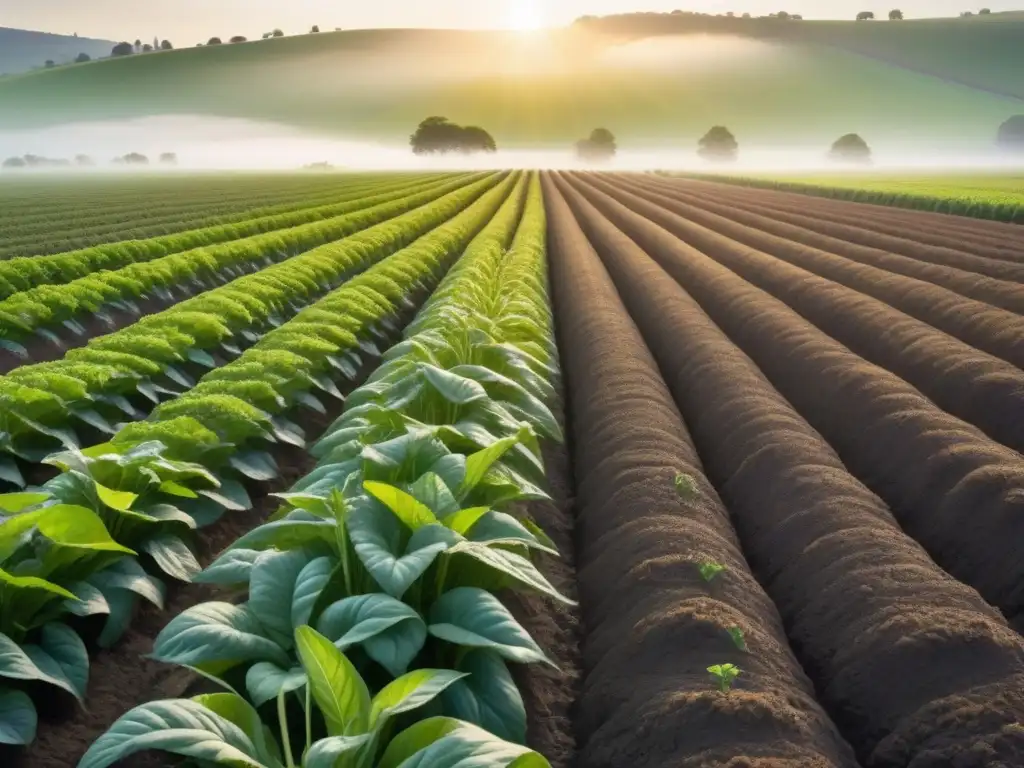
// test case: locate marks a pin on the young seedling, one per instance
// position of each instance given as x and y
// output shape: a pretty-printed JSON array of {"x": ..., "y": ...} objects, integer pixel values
[
  {"x": 686, "y": 488},
  {"x": 737, "y": 638},
  {"x": 724, "y": 674},
  {"x": 709, "y": 569}
]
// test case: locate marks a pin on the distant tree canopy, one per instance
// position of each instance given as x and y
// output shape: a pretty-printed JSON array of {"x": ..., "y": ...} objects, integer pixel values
[
  {"x": 84, "y": 161},
  {"x": 82, "y": 58},
  {"x": 718, "y": 144},
  {"x": 239, "y": 39},
  {"x": 277, "y": 33},
  {"x": 122, "y": 49},
  {"x": 165, "y": 45},
  {"x": 850, "y": 148},
  {"x": 315, "y": 29},
  {"x": 214, "y": 41},
  {"x": 895, "y": 15},
  {"x": 50, "y": 64},
  {"x": 865, "y": 16},
  {"x": 440, "y": 135},
  {"x": 1011, "y": 134},
  {"x": 147, "y": 48},
  {"x": 985, "y": 11},
  {"x": 168, "y": 158},
  {"x": 599, "y": 146},
  {"x": 132, "y": 158}
]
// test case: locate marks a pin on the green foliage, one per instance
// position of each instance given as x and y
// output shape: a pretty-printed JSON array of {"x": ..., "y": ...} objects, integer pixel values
[
  {"x": 738, "y": 638},
  {"x": 710, "y": 570},
  {"x": 724, "y": 675}
]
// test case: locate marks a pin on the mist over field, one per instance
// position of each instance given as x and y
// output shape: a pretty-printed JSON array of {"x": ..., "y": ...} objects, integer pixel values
[{"x": 209, "y": 143}]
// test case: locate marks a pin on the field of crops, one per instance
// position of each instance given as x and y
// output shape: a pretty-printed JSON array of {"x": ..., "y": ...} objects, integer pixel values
[
  {"x": 997, "y": 196},
  {"x": 511, "y": 469}
]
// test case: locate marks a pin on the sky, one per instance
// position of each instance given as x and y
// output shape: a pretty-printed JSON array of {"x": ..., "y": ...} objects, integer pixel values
[{"x": 187, "y": 22}]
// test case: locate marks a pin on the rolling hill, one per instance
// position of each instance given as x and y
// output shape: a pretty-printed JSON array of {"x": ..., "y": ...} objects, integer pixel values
[
  {"x": 21, "y": 50},
  {"x": 652, "y": 78}
]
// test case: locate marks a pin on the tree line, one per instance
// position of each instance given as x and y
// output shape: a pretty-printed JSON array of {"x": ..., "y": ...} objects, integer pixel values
[{"x": 30, "y": 161}]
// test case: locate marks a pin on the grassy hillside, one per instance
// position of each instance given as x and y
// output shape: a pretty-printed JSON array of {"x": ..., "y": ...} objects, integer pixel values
[
  {"x": 776, "y": 83},
  {"x": 21, "y": 50}
]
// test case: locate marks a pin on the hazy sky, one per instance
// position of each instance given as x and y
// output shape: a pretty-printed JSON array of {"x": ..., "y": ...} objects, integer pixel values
[{"x": 188, "y": 21}]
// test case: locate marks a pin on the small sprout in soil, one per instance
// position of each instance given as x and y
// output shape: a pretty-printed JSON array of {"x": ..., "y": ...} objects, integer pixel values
[
  {"x": 724, "y": 674},
  {"x": 709, "y": 569},
  {"x": 737, "y": 638},
  {"x": 686, "y": 488}
]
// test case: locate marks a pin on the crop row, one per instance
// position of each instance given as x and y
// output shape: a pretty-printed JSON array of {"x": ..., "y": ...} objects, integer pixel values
[
  {"x": 139, "y": 490},
  {"x": 46, "y": 312},
  {"x": 936, "y": 346},
  {"x": 977, "y": 208},
  {"x": 665, "y": 591},
  {"x": 42, "y": 405},
  {"x": 950, "y": 474},
  {"x": 373, "y": 622},
  {"x": 47, "y": 237},
  {"x": 862, "y": 602},
  {"x": 67, "y": 206},
  {"x": 882, "y": 227},
  {"x": 294, "y": 229}
]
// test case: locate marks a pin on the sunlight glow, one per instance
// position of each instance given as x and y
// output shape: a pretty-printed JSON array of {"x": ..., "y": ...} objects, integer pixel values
[{"x": 524, "y": 15}]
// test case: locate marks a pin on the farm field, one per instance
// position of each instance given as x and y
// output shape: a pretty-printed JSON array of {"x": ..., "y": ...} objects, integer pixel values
[
  {"x": 998, "y": 196},
  {"x": 567, "y": 469}
]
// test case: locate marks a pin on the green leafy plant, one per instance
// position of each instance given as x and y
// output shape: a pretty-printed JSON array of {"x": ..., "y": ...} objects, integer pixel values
[
  {"x": 724, "y": 675},
  {"x": 354, "y": 727},
  {"x": 738, "y": 638},
  {"x": 709, "y": 570},
  {"x": 686, "y": 488}
]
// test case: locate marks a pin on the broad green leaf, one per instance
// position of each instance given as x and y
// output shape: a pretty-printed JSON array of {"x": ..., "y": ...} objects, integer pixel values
[
  {"x": 479, "y": 464},
  {"x": 288, "y": 534},
  {"x": 63, "y": 645},
  {"x": 435, "y": 495},
  {"x": 31, "y": 663},
  {"x": 509, "y": 565},
  {"x": 271, "y": 585},
  {"x": 256, "y": 465},
  {"x": 16, "y": 502},
  {"x": 475, "y": 618},
  {"x": 411, "y": 512},
  {"x": 391, "y": 632},
  {"x": 119, "y": 500},
  {"x": 465, "y": 519},
  {"x": 231, "y": 495},
  {"x": 179, "y": 726},
  {"x": 88, "y": 600},
  {"x": 15, "y": 583},
  {"x": 128, "y": 574},
  {"x": 173, "y": 556},
  {"x": 17, "y": 718},
  {"x": 442, "y": 742},
  {"x": 237, "y": 710},
  {"x": 122, "y": 609},
  {"x": 216, "y": 632},
  {"x": 265, "y": 680},
  {"x": 11, "y": 473},
  {"x": 177, "y": 489},
  {"x": 78, "y": 527},
  {"x": 487, "y": 697},
  {"x": 378, "y": 544},
  {"x": 230, "y": 569},
  {"x": 311, "y": 581},
  {"x": 454, "y": 388},
  {"x": 328, "y": 753},
  {"x": 339, "y": 691},
  {"x": 410, "y": 691},
  {"x": 500, "y": 526}
]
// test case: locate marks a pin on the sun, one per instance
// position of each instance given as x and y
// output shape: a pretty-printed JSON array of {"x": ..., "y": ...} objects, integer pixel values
[{"x": 524, "y": 15}]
